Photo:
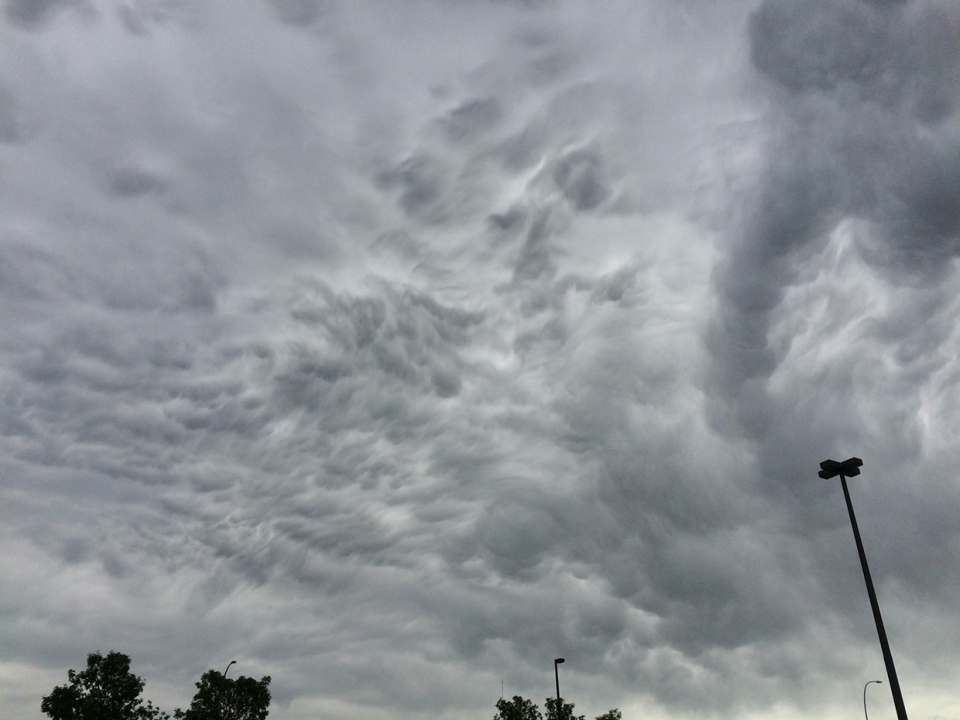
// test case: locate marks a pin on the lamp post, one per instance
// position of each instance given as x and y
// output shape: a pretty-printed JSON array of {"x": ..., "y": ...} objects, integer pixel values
[
  {"x": 865, "y": 717},
  {"x": 556, "y": 675},
  {"x": 851, "y": 468},
  {"x": 232, "y": 662}
]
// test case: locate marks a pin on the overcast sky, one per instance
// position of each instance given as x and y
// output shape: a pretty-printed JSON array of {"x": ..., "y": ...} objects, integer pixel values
[{"x": 394, "y": 349}]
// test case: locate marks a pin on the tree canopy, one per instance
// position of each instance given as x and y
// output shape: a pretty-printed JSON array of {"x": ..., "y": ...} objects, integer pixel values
[
  {"x": 566, "y": 710},
  {"x": 222, "y": 698},
  {"x": 517, "y": 709},
  {"x": 611, "y": 715},
  {"x": 105, "y": 690},
  {"x": 520, "y": 708}
]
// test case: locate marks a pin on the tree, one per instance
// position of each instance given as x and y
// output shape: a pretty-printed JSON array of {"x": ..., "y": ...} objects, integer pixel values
[
  {"x": 566, "y": 710},
  {"x": 106, "y": 690},
  {"x": 517, "y": 709},
  {"x": 611, "y": 715},
  {"x": 221, "y": 698}
]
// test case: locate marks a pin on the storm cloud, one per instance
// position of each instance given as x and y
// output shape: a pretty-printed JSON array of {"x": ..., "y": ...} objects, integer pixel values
[{"x": 396, "y": 350}]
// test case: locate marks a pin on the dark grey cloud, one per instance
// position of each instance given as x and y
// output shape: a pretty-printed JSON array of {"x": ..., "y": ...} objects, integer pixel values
[
  {"x": 31, "y": 14},
  {"x": 297, "y": 12},
  {"x": 420, "y": 182},
  {"x": 837, "y": 42},
  {"x": 534, "y": 260},
  {"x": 11, "y": 130},
  {"x": 854, "y": 141},
  {"x": 395, "y": 351},
  {"x": 580, "y": 175},
  {"x": 473, "y": 118},
  {"x": 861, "y": 98},
  {"x": 888, "y": 53},
  {"x": 131, "y": 182}
]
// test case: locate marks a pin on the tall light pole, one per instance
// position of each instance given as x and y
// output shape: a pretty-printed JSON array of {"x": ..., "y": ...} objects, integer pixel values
[
  {"x": 556, "y": 675},
  {"x": 865, "y": 717},
  {"x": 851, "y": 468},
  {"x": 232, "y": 662}
]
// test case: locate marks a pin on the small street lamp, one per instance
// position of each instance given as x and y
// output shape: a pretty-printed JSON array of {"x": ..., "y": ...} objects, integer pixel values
[
  {"x": 851, "y": 468},
  {"x": 232, "y": 662},
  {"x": 865, "y": 717},
  {"x": 556, "y": 674}
]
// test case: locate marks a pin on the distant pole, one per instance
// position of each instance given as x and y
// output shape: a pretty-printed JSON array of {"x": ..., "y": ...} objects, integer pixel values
[
  {"x": 851, "y": 468},
  {"x": 232, "y": 662},
  {"x": 865, "y": 717},
  {"x": 556, "y": 675}
]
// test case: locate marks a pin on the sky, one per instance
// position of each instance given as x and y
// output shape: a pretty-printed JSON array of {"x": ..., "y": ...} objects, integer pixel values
[{"x": 395, "y": 349}]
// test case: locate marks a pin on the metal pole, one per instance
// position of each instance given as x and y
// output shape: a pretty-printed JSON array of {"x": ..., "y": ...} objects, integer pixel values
[
  {"x": 865, "y": 717},
  {"x": 556, "y": 673},
  {"x": 884, "y": 645}
]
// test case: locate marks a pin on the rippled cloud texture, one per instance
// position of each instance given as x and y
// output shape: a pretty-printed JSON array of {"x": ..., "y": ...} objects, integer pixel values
[{"x": 395, "y": 349}]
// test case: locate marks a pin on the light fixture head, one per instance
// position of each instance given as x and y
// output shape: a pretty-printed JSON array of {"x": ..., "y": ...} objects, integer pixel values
[{"x": 848, "y": 468}]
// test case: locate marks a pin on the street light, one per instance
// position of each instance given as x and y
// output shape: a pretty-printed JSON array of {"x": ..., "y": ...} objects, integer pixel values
[
  {"x": 851, "y": 468},
  {"x": 865, "y": 697},
  {"x": 556, "y": 674},
  {"x": 232, "y": 662}
]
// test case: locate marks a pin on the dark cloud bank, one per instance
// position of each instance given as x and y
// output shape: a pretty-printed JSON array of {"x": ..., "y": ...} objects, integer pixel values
[{"x": 529, "y": 349}]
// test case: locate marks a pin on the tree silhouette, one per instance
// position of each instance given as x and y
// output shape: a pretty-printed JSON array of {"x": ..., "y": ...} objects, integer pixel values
[
  {"x": 520, "y": 708},
  {"x": 517, "y": 709},
  {"x": 222, "y": 698},
  {"x": 611, "y": 715},
  {"x": 566, "y": 710},
  {"x": 105, "y": 690}
]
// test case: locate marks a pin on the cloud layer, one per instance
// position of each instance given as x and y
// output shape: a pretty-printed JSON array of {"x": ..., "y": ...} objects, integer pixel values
[{"x": 394, "y": 351}]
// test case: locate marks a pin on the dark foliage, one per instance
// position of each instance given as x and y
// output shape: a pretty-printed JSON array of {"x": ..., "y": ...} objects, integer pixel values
[
  {"x": 222, "y": 698},
  {"x": 520, "y": 708},
  {"x": 517, "y": 709},
  {"x": 611, "y": 715},
  {"x": 105, "y": 690},
  {"x": 566, "y": 710}
]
